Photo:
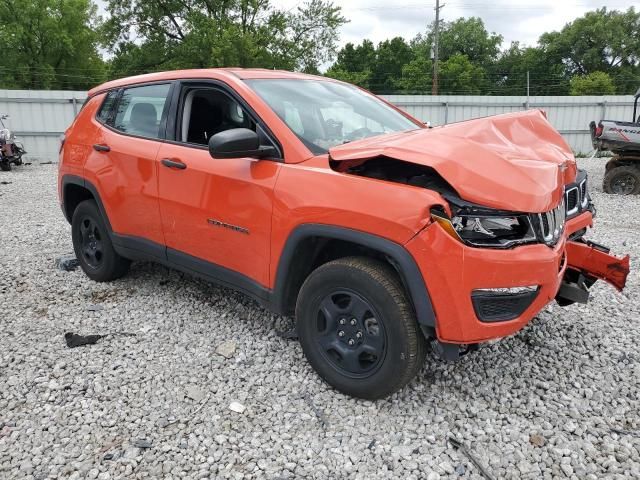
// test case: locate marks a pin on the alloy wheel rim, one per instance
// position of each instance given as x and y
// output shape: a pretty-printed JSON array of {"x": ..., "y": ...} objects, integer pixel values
[
  {"x": 350, "y": 334},
  {"x": 92, "y": 248}
]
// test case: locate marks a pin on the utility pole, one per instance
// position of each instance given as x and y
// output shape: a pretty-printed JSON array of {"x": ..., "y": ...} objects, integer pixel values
[
  {"x": 527, "y": 89},
  {"x": 436, "y": 53}
]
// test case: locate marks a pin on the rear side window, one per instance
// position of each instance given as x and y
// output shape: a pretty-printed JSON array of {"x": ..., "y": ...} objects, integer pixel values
[
  {"x": 108, "y": 104},
  {"x": 140, "y": 110}
]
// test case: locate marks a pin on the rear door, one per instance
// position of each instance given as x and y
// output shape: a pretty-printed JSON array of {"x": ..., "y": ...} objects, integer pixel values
[
  {"x": 124, "y": 165},
  {"x": 216, "y": 213}
]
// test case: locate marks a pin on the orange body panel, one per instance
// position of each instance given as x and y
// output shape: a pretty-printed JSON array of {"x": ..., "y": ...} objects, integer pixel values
[
  {"x": 238, "y": 213},
  {"x": 235, "y": 192}
]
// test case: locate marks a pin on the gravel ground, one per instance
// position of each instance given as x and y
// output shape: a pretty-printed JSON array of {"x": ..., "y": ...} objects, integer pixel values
[{"x": 561, "y": 399}]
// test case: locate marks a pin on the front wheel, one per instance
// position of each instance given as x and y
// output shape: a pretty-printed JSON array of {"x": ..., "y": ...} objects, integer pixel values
[
  {"x": 357, "y": 327},
  {"x": 623, "y": 180},
  {"x": 5, "y": 166}
]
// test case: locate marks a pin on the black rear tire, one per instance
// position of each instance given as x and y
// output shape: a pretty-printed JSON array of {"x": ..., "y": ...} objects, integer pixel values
[
  {"x": 623, "y": 180},
  {"x": 92, "y": 245},
  {"x": 358, "y": 329},
  {"x": 5, "y": 166}
]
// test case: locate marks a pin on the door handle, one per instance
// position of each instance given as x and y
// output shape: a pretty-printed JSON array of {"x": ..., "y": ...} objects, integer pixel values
[
  {"x": 101, "y": 148},
  {"x": 173, "y": 164}
]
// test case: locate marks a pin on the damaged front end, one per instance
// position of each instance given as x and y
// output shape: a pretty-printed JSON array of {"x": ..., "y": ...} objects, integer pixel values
[
  {"x": 587, "y": 262},
  {"x": 506, "y": 233}
]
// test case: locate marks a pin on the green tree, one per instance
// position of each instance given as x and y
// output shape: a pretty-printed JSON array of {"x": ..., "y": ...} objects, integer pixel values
[
  {"x": 468, "y": 37},
  {"x": 461, "y": 77},
  {"x": 391, "y": 56},
  {"x": 49, "y": 44},
  {"x": 354, "y": 64},
  {"x": 595, "y": 83},
  {"x": 600, "y": 41},
  {"x": 151, "y": 35},
  {"x": 509, "y": 73},
  {"x": 417, "y": 76}
]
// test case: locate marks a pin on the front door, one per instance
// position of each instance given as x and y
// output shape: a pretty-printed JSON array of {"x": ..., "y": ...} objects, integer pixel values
[{"x": 216, "y": 213}]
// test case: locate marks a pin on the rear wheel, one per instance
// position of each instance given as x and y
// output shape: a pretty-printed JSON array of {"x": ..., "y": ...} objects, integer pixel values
[
  {"x": 5, "y": 166},
  {"x": 623, "y": 180},
  {"x": 92, "y": 245},
  {"x": 357, "y": 328}
]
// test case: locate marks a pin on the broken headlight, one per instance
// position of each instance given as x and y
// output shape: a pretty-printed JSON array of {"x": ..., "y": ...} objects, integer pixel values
[{"x": 487, "y": 228}]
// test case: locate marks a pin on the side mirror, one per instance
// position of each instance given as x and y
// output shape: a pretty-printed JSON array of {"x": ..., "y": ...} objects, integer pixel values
[{"x": 238, "y": 143}]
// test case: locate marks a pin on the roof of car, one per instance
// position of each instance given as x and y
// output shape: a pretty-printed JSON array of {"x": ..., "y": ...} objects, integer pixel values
[{"x": 216, "y": 73}]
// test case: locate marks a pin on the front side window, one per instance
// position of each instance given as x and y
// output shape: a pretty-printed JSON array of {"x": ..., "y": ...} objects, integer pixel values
[
  {"x": 324, "y": 114},
  {"x": 140, "y": 110},
  {"x": 207, "y": 111}
]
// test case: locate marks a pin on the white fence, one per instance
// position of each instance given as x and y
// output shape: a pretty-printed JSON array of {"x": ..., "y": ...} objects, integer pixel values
[{"x": 40, "y": 117}]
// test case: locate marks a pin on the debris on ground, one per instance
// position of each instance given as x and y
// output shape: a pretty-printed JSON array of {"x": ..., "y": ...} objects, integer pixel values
[
  {"x": 458, "y": 445},
  {"x": 74, "y": 340},
  {"x": 67, "y": 263},
  {"x": 237, "y": 407},
  {"x": 4, "y": 182},
  {"x": 322, "y": 418},
  {"x": 226, "y": 349},
  {"x": 95, "y": 308},
  {"x": 143, "y": 443}
]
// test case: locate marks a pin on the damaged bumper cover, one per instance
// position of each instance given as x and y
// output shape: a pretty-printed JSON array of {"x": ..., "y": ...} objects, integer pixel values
[{"x": 482, "y": 294}]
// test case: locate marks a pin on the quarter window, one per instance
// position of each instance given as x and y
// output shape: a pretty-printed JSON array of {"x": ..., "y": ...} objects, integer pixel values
[
  {"x": 106, "y": 110},
  {"x": 140, "y": 110}
]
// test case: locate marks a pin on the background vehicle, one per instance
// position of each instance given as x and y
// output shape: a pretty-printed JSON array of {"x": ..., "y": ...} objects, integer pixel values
[
  {"x": 11, "y": 151},
  {"x": 322, "y": 201},
  {"x": 622, "y": 175}
]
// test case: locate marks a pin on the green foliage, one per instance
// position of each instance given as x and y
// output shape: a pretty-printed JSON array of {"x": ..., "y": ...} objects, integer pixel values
[
  {"x": 172, "y": 34},
  {"x": 468, "y": 37},
  {"x": 471, "y": 61},
  {"x": 459, "y": 76},
  {"x": 595, "y": 83},
  {"x": 509, "y": 73},
  {"x": 49, "y": 44},
  {"x": 600, "y": 41}
]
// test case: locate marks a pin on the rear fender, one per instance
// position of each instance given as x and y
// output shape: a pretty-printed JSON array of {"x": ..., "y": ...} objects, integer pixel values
[{"x": 595, "y": 261}]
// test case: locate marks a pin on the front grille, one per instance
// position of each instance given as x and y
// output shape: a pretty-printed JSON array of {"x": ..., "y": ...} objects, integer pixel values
[
  {"x": 498, "y": 307},
  {"x": 572, "y": 199},
  {"x": 583, "y": 193},
  {"x": 551, "y": 224},
  {"x": 576, "y": 196}
]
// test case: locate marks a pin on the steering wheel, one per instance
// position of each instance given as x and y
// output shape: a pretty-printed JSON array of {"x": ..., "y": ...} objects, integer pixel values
[{"x": 359, "y": 133}]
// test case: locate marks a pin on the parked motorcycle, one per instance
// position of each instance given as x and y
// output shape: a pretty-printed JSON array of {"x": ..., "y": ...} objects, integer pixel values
[{"x": 11, "y": 151}]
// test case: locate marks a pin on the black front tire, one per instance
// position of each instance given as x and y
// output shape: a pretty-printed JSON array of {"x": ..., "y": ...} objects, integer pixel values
[
  {"x": 92, "y": 245},
  {"x": 5, "y": 166},
  {"x": 622, "y": 180},
  {"x": 355, "y": 358}
]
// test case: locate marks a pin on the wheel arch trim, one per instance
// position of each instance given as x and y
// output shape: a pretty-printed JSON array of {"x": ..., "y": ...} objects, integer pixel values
[
  {"x": 69, "y": 179},
  {"x": 401, "y": 259}
]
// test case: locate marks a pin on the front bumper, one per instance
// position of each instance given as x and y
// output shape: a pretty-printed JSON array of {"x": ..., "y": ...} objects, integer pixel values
[{"x": 454, "y": 271}]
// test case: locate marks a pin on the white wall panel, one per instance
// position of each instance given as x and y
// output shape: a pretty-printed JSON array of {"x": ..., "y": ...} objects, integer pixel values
[{"x": 40, "y": 117}]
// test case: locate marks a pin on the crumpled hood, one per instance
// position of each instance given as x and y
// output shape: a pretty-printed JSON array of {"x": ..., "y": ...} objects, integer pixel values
[{"x": 514, "y": 161}]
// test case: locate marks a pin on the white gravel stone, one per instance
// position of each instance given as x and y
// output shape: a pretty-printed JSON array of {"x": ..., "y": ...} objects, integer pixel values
[{"x": 570, "y": 377}]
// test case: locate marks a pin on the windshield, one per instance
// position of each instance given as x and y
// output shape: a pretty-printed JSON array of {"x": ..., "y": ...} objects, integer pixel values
[{"x": 324, "y": 114}]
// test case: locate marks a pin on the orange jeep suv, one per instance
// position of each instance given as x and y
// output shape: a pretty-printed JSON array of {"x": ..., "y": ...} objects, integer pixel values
[{"x": 320, "y": 200}]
